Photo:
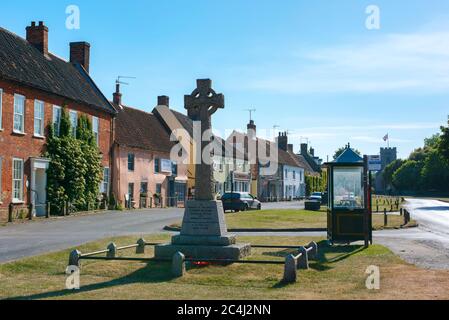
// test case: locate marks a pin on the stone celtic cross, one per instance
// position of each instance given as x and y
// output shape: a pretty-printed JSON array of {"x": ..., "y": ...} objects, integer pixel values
[{"x": 201, "y": 105}]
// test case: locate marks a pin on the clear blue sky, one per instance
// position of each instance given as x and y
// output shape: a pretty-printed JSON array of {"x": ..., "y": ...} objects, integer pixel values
[{"x": 311, "y": 67}]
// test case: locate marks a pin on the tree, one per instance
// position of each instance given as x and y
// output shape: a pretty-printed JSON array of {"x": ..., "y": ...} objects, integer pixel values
[
  {"x": 389, "y": 171},
  {"x": 443, "y": 144},
  {"x": 435, "y": 172},
  {"x": 407, "y": 177},
  {"x": 339, "y": 151}
]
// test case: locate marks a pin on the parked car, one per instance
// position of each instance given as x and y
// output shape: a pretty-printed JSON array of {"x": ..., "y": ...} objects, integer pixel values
[
  {"x": 240, "y": 201},
  {"x": 317, "y": 196}
]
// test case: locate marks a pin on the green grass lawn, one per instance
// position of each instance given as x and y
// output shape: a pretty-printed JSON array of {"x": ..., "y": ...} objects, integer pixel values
[
  {"x": 339, "y": 274},
  {"x": 294, "y": 219}
]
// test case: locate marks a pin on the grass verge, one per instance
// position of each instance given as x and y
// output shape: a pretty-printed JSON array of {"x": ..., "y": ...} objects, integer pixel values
[
  {"x": 338, "y": 274},
  {"x": 295, "y": 219}
]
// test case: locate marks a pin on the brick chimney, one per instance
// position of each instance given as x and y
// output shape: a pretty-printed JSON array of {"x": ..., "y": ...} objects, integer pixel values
[
  {"x": 80, "y": 53},
  {"x": 38, "y": 36},
  {"x": 304, "y": 149},
  {"x": 290, "y": 148},
  {"x": 312, "y": 152},
  {"x": 283, "y": 141},
  {"x": 163, "y": 101},
  {"x": 117, "y": 95},
  {"x": 251, "y": 129}
]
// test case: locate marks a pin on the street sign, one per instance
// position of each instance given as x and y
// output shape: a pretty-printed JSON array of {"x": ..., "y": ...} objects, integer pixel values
[{"x": 374, "y": 163}]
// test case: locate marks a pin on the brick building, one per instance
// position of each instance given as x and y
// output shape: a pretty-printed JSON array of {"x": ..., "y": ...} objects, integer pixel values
[{"x": 34, "y": 86}]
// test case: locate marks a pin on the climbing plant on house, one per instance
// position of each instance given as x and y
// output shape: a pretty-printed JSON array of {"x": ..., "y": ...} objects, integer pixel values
[{"x": 74, "y": 166}]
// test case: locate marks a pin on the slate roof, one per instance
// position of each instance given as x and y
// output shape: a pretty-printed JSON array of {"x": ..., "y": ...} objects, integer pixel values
[
  {"x": 139, "y": 129},
  {"x": 22, "y": 63}
]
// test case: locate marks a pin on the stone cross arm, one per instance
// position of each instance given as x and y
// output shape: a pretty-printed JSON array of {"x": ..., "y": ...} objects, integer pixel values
[{"x": 204, "y": 98}]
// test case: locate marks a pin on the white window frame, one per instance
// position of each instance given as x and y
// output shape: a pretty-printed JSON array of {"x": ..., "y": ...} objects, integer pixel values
[
  {"x": 1, "y": 109},
  {"x": 73, "y": 125},
  {"x": 14, "y": 199},
  {"x": 57, "y": 127},
  {"x": 18, "y": 97},
  {"x": 96, "y": 128},
  {"x": 38, "y": 117},
  {"x": 104, "y": 182}
]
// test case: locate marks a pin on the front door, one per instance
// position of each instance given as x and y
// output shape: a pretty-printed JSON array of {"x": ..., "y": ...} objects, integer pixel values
[{"x": 38, "y": 190}]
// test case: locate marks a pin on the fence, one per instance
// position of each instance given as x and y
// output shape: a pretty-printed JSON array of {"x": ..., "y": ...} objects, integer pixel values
[
  {"x": 291, "y": 264},
  {"x": 391, "y": 204}
]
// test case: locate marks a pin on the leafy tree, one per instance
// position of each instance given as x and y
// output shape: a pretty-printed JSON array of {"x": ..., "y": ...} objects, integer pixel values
[
  {"x": 339, "y": 151},
  {"x": 443, "y": 144},
  {"x": 435, "y": 172},
  {"x": 389, "y": 171},
  {"x": 407, "y": 177}
]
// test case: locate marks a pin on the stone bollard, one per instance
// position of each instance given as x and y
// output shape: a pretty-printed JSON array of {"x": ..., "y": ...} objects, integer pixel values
[
  {"x": 30, "y": 211},
  {"x": 313, "y": 254},
  {"x": 47, "y": 210},
  {"x": 290, "y": 272},
  {"x": 10, "y": 212},
  {"x": 74, "y": 258},
  {"x": 178, "y": 267},
  {"x": 385, "y": 217},
  {"x": 112, "y": 250},
  {"x": 303, "y": 260},
  {"x": 140, "y": 249}
]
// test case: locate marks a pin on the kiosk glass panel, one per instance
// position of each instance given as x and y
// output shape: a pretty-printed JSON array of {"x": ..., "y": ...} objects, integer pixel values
[{"x": 348, "y": 188}]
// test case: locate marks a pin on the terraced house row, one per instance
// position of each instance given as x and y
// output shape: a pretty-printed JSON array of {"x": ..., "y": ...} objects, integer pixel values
[{"x": 35, "y": 85}]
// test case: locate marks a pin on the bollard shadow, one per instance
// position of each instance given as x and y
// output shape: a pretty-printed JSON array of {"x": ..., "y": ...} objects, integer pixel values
[
  {"x": 338, "y": 253},
  {"x": 153, "y": 272}
]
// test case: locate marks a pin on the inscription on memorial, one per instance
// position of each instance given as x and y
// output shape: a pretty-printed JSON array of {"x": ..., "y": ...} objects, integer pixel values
[{"x": 204, "y": 218}]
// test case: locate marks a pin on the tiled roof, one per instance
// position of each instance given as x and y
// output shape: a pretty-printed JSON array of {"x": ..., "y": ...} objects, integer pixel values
[
  {"x": 138, "y": 129},
  {"x": 187, "y": 123},
  {"x": 304, "y": 164},
  {"x": 22, "y": 63},
  {"x": 284, "y": 157}
]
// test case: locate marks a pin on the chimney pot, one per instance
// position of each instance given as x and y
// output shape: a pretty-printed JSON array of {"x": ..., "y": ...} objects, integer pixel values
[{"x": 80, "y": 53}]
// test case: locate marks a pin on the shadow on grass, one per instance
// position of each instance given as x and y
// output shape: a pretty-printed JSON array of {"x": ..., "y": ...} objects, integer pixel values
[
  {"x": 157, "y": 272},
  {"x": 338, "y": 253},
  {"x": 153, "y": 272}
]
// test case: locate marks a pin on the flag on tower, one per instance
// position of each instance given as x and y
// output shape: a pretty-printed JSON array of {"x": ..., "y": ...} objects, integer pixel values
[{"x": 386, "y": 138}]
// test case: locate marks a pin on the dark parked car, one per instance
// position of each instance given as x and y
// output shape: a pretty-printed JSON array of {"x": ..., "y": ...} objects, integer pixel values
[
  {"x": 316, "y": 196},
  {"x": 240, "y": 201}
]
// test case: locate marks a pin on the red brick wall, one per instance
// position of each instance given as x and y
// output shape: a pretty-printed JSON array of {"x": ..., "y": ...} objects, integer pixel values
[{"x": 26, "y": 146}]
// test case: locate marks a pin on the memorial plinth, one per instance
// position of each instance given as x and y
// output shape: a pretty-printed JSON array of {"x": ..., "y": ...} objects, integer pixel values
[{"x": 204, "y": 234}]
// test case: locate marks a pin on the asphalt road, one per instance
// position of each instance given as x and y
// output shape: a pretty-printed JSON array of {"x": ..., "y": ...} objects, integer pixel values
[
  {"x": 30, "y": 239},
  {"x": 38, "y": 237},
  {"x": 426, "y": 246},
  {"x": 432, "y": 215}
]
